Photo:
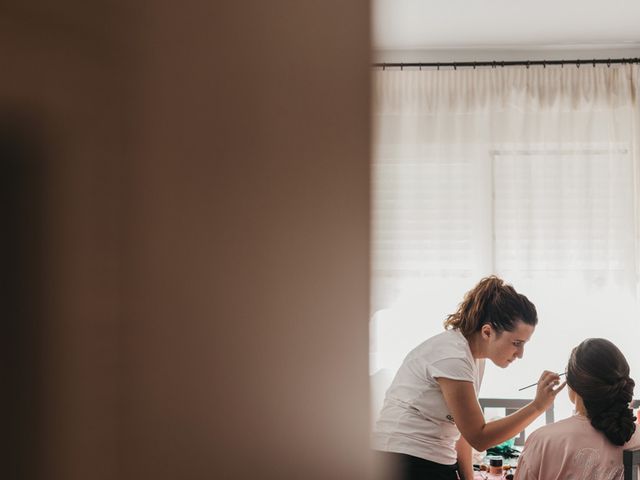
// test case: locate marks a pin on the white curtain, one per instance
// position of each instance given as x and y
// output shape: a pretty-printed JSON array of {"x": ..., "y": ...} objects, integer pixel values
[{"x": 528, "y": 173}]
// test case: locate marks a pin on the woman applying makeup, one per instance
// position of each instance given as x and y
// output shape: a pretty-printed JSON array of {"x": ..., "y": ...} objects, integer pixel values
[{"x": 431, "y": 418}]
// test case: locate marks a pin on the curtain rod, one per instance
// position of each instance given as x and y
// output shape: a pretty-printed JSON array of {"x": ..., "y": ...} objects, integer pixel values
[{"x": 507, "y": 63}]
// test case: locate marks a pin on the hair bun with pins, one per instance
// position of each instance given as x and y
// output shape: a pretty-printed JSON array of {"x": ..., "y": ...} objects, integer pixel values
[
  {"x": 592, "y": 366},
  {"x": 616, "y": 423}
]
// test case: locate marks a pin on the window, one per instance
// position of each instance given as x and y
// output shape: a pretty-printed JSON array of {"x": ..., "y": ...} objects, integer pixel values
[{"x": 558, "y": 222}]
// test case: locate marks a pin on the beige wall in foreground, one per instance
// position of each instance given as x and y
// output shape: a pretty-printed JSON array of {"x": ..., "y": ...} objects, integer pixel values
[
  {"x": 61, "y": 89},
  {"x": 203, "y": 285},
  {"x": 246, "y": 297}
]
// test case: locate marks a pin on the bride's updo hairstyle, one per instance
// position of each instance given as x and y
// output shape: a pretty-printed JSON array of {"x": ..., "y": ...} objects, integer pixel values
[{"x": 599, "y": 373}]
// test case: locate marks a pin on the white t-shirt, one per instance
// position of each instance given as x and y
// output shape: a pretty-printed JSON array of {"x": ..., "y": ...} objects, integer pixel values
[{"x": 415, "y": 419}]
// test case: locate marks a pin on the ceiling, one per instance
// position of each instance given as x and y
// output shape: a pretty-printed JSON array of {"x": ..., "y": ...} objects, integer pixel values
[{"x": 526, "y": 24}]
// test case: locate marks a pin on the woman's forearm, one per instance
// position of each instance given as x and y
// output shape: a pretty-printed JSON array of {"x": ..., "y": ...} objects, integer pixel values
[{"x": 460, "y": 398}]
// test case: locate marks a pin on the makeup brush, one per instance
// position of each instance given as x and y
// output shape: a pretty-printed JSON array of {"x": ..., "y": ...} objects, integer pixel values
[{"x": 534, "y": 384}]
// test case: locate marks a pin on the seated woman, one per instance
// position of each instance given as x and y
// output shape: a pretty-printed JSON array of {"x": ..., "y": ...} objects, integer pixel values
[{"x": 589, "y": 444}]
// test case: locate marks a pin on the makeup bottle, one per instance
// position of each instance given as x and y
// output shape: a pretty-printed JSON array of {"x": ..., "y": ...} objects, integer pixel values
[{"x": 495, "y": 466}]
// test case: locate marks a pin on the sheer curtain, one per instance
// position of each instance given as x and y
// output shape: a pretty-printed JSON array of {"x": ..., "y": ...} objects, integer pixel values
[{"x": 528, "y": 173}]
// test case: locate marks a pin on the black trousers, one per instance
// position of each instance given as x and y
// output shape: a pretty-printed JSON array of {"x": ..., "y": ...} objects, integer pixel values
[{"x": 408, "y": 467}]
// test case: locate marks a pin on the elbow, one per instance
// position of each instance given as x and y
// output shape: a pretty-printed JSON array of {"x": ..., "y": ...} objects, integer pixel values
[
  {"x": 477, "y": 438},
  {"x": 478, "y": 444}
]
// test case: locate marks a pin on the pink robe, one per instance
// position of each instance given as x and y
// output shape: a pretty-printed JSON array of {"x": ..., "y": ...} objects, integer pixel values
[{"x": 572, "y": 449}]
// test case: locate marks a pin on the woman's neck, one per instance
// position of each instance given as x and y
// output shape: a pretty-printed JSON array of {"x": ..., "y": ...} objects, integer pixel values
[
  {"x": 476, "y": 346},
  {"x": 580, "y": 408}
]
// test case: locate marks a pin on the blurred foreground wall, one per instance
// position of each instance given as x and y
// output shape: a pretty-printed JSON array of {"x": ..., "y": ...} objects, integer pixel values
[{"x": 185, "y": 243}]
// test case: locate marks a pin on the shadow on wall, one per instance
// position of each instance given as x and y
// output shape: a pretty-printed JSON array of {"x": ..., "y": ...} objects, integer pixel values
[{"x": 21, "y": 215}]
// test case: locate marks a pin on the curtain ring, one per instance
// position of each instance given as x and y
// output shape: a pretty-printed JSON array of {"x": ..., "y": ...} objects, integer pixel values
[
  {"x": 609, "y": 63},
  {"x": 594, "y": 63},
  {"x": 528, "y": 63},
  {"x": 438, "y": 66},
  {"x": 384, "y": 67},
  {"x": 455, "y": 66},
  {"x": 544, "y": 64},
  {"x": 401, "y": 67},
  {"x": 474, "y": 65}
]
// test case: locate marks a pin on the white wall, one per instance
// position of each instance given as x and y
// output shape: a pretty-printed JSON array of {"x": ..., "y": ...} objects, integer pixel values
[{"x": 497, "y": 54}]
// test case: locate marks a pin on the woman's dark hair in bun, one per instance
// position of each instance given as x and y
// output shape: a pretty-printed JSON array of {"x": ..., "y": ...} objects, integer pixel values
[{"x": 599, "y": 373}]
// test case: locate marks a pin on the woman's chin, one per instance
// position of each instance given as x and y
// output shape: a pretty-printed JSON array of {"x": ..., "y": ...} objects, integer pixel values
[{"x": 503, "y": 363}]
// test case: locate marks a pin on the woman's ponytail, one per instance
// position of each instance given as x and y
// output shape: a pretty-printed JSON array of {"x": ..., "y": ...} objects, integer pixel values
[{"x": 494, "y": 302}]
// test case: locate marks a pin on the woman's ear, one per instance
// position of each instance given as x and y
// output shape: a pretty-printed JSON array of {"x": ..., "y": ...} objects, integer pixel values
[{"x": 486, "y": 331}]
